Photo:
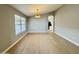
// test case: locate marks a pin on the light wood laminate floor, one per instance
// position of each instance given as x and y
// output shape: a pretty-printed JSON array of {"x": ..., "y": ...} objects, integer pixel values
[{"x": 43, "y": 43}]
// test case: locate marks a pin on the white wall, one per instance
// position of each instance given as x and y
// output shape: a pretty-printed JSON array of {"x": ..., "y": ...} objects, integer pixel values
[
  {"x": 67, "y": 22},
  {"x": 38, "y": 25}
]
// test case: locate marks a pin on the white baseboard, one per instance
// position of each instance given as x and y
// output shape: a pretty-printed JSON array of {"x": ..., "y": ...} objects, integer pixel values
[
  {"x": 13, "y": 44},
  {"x": 37, "y": 32},
  {"x": 68, "y": 39}
]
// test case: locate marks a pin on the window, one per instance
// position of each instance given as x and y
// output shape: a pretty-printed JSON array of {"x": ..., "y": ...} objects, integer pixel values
[{"x": 20, "y": 24}]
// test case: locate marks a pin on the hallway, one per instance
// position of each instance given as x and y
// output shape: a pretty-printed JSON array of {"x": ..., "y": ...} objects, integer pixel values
[{"x": 43, "y": 43}]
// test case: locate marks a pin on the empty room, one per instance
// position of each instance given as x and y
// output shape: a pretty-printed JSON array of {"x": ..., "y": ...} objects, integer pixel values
[{"x": 39, "y": 28}]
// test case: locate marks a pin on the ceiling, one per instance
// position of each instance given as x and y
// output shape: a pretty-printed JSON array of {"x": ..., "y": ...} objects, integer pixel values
[{"x": 29, "y": 9}]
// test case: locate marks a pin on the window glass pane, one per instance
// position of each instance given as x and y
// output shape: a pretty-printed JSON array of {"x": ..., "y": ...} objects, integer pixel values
[
  {"x": 23, "y": 20},
  {"x": 17, "y": 19},
  {"x": 23, "y": 28},
  {"x": 17, "y": 24},
  {"x": 18, "y": 29}
]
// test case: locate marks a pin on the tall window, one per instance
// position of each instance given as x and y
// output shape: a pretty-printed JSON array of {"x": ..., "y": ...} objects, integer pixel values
[{"x": 20, "y": 24}]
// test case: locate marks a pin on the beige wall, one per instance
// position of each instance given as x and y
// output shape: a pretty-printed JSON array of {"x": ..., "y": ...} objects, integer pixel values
[
  {"x": 67, "y": 22},
  {"x": 38, "y": 24},
  {"x": 7, "y": 27}
]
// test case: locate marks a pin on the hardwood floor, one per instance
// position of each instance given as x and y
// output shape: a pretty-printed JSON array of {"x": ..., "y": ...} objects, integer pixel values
[{"x": 40, "y": 43}]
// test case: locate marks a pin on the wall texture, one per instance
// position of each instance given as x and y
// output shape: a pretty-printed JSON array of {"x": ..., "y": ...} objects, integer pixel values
[
  {"x": 38, "y": 25},
  {"x": 67, "y": 22},
  {"x": 7, "y": 27}
]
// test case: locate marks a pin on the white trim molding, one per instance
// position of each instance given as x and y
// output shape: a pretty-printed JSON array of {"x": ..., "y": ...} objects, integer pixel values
[
  {"x": 38, "y": 32},
  {"x": 13, "y": 44},
  {"x": 67, "y": 39}
]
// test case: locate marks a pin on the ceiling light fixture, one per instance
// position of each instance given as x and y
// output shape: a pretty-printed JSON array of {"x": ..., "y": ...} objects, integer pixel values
[{"x": 37, "y": 13}]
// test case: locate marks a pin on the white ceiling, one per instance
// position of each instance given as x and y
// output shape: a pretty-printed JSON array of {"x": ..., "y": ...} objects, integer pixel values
[{"x": 29, "y": 9}]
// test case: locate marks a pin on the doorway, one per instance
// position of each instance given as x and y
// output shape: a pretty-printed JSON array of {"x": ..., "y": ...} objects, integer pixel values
[{"x": 51, "y": 23}]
